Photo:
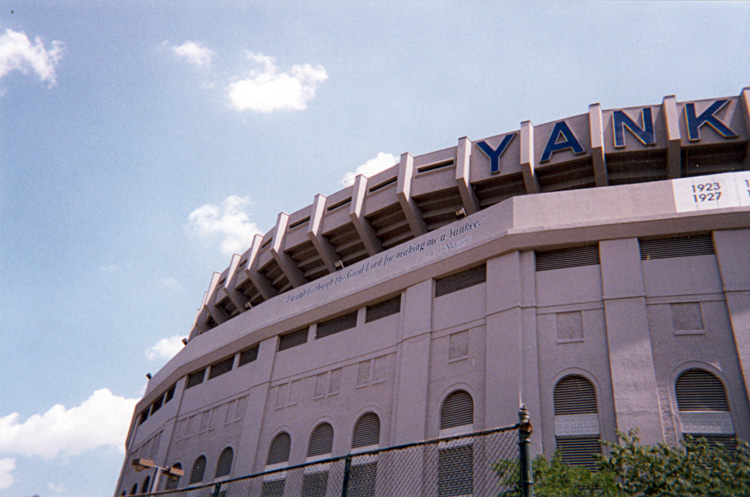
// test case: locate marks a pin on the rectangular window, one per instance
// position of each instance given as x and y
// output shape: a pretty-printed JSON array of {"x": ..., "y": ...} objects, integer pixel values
[
  {"x": 362, "y": 480},
  {"x": 459, "y": 281},
  {"x": 684, "y": 246},
  {"x": 315, "y": 484},
  {"x": 335, "y": 325},
  {"x": 456, "y": 471},
  {"x": 292, "y": 339},
  {"x": 170, "y": 395},
  {"x": 567, "y": 258},
  {"x": 157, "y": 404},
  {"x": 249, "y": 355},
  {"x": 221, "y": 367},
  {"x": 383, "y": 309},
  {"x": 196, "y": 378}
]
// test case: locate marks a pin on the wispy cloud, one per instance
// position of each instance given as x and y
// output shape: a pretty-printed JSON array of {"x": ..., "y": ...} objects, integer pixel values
[
  {"x": 165, "y": 348},
  {"x": 266, "y": 89},
  {"x": 378, "y": 163},
  {"x": 101, "y": 420},
  {"x": 193, "y": 53},
  {"x": 228, "y": 220},
  {"x": 56, "y": 488},
  {"x": 7, "y": 465},
  {"x": 18, "y": 53},
  {"x": 170, "y": 283}
]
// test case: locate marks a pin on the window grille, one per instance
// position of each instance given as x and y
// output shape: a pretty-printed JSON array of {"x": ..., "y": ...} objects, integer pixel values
[
  {"x": 248, "y": 356},
  {"x": 196, "y": 378},
  {"x": 221, "y": 367},
  {"x": 574, "y": 394},
  {"x": 383, "y": 309},
  {"x": 465, "y": 279},
  {"x": 224, "y": 466},
  {"x": 580, "y": 450},
  {"x": 684, "y": 246},
  {"x": 366, "y": 431},
  {"x": 272, "y": 489},
  {"x": 292, "y": 339},
  {"x": 335, "y": 325},
  {"x": 456, "y": 471},
  {"x": 699, "y": 390},
  {"x": 362, "y": 479},
  {"x": 567, "y": 258},
  {"x": 315, "y": 484},
  {"x": 321, "y": 440},
  {"x": 279, "y": 451},
  {"x": 199, "y": 468},
  {"x": 173, "y": 481},
  {"x": 457, "y": 410}
]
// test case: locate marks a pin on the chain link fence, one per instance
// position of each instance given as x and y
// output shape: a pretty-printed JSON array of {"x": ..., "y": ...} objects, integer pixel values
[{"x": 457, "y": 466}]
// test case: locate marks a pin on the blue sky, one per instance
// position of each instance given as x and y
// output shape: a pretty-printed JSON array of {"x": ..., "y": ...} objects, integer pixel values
[{"x": 141, "y": 143}]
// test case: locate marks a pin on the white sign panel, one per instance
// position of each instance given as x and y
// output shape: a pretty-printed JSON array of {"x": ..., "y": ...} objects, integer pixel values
[{"x": 716, "y": 191}]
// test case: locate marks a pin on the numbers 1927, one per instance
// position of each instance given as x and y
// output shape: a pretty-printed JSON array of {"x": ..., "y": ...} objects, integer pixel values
[{"x": 707, "y": 192}]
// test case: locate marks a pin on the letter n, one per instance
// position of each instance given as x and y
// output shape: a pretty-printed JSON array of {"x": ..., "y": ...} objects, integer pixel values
[{"x": 621, "y": 122}]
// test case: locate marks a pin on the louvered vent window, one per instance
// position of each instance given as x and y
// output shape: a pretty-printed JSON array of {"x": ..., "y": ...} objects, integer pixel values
[
  {"x": 224, "y": 466},
  {"x": 321, "y": 441},
  {"x": 575, "y": 395},
  {"x": 292, "y": 339},
  {"x": 685, "y": 246},
  {"x": 199, "y": 468},
  {"x": 579, "y": 451},
  {"x": 315, "y": 484},
  {"x": 173, "y": 481},
  {"x": 336, "y": 325},
  {"x": 279, "y": 451},
  {"x": 134, "y": 489},
  {"x": 577, "y": 421},
  {"x": 456, "y": 471},
  {"x": 362, "y": 478},
  {"x": 699, "y": 390},
  {"x": 383, "y": 309},
  {"x": 459, "y": 281},
  {"x": 567, "y": 258},
  {"x": 272, "y": 489},
  {"x": 146, "y": 483},
  {"x": 457, "y": 410},
  {"x": 366, "y": 431},
  {"x": 221, "y": 367},
  {"x": 248, "y": 356},
  {"x": 196, "y": 378}
]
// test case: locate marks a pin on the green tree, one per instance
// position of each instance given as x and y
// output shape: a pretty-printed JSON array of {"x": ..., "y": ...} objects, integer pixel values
[{"x": 692, "y": 469}]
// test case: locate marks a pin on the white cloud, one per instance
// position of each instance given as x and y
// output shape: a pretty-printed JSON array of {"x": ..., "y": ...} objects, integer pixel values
[
  {"x": 165, "y": 348},
  {"x": 193, "y": 53},
  {"x": 170, "y": 283},
  {"x": 373, "y": 166},
  {"x": 7, "y": 465},
  {"x": 17, "y": 53},
  {"x": 229, "y": 220},
  {"x": 101, "y": 420},
  {"x": 56, "y": 488},
  {"x": 266, "y": 89}
]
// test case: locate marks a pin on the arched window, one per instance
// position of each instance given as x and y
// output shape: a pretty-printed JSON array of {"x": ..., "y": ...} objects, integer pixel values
[
  {"x": 363, "y": 473},
  {"x": 704, "y": 409},
  {"x": 577, "y": 421},
  {"x": 279, "y": 450},
  {"x": 134, "y": 489},
  {"x": 366, "y": 431},
  {"x": 457, "y": 410},
  {"x": 224, "y": 466},
  {"x": 146, "y": 483},
  {"x": 321, "y": 440},
  {"x": 199, "y": 468},
  {"x": 173, "y": 481},
  {"x": 456, "y": 458}
]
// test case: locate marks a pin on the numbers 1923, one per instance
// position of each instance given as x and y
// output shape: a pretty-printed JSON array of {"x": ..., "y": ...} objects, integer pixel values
[{"x": 707, "y": 192}]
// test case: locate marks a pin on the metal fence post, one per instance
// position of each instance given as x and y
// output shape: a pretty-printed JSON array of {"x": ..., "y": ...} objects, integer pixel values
[
  {"x": 215, "y": 493},
  {"x": 524, "y": 445},
  {"x": 347, "y": 469}
]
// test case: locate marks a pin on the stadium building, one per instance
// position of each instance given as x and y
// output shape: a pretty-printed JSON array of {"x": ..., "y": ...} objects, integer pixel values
[{"x": 595, "y": 269}]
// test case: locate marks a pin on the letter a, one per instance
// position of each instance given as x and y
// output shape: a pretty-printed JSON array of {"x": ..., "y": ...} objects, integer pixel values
[{"x": 554, "y": 144}]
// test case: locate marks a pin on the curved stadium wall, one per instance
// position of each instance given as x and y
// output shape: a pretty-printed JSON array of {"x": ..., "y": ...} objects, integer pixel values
[{"x": 596, "y": 269}]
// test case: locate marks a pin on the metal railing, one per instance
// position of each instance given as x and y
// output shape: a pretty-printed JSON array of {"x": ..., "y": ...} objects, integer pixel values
[{"x": 487, "y": 463}]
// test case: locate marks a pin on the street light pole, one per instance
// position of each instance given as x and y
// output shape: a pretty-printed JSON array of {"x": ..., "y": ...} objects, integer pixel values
[{"x": 142, "y": 463}]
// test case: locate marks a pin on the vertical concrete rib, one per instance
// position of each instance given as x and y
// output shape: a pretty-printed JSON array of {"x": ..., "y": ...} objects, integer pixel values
[
  {"x": 463, "y": 176},
  {"x": 210, "y": 303},
  {"x": 528, "y": 163},
  {"x": 259, "y": 281},
  {"x": 238, "y": 299},
  {"x": 674, "y": 139},
  {"x": 596, "y": 128},
  {"x": 356, "y": 214},
  {"x": 314, "y": 232},
  {"x": 403, "y": 193},
  {"x": 286, "y": 263},
  {"x": 745, "y": 102}
]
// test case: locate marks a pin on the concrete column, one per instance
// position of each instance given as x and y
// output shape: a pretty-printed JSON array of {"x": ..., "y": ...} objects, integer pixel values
[
  {"x": 409, "y": 424},
  {"x": 630, "y": 354},
  {"x": 732, "y": 250}
]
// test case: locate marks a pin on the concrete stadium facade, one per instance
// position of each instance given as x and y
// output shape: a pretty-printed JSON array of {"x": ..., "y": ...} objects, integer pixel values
[{"x": 595, "y": 269}]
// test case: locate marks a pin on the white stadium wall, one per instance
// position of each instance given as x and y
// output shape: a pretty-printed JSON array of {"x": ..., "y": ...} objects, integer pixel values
[{"x": 595, "y": 269}]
